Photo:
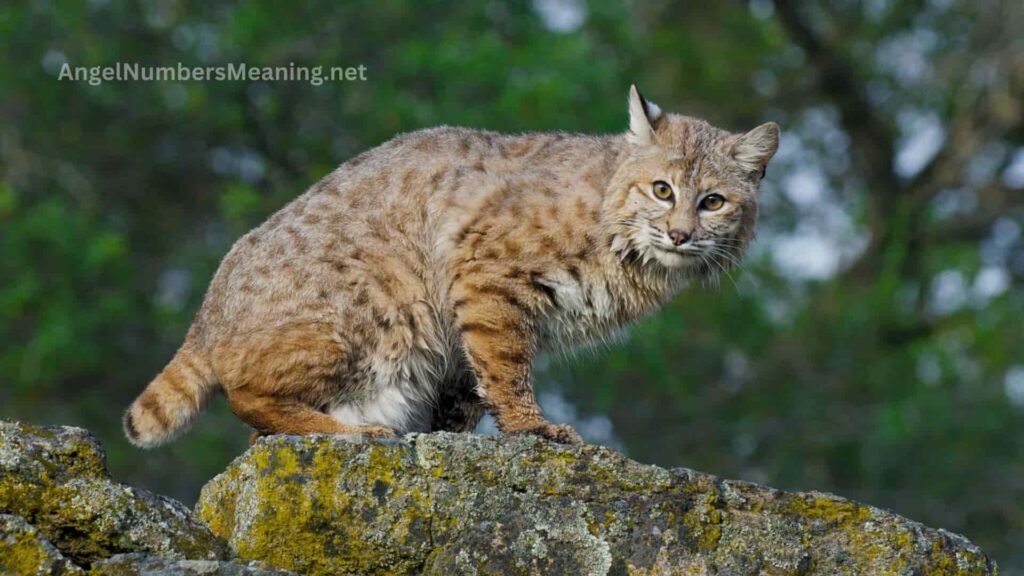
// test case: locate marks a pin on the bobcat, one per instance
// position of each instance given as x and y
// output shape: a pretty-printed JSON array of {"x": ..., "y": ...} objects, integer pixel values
[{"x": 410, "y": 289}]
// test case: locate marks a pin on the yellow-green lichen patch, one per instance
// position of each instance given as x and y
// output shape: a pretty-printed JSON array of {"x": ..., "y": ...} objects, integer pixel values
[
  {"x": 216, "y": 506},
  {"x": 828, "y": 509},
  {"x": 323, "y": 506},
  {"x": 20, "y": 554},
  {"x": 457, "y": 503},
  {"x": 40, "y": 454},
  {"x": 23, "y": 550},
  {"x": 56, "y": 480},
  {"x": 946, "y": 558},
  {"x": 706, "y": 526}
]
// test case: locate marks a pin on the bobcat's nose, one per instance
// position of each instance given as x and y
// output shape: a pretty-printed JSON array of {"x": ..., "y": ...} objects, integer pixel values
[{"x": 678, "y": 236}]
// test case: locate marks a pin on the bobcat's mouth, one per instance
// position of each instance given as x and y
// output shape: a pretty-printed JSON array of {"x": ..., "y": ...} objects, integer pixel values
[
  {"x": 676, "y": 256},
  {"x": 706, "y": 254}
]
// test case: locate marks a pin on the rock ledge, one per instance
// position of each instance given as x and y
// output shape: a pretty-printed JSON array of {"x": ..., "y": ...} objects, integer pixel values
[
  {"x": 464, "y": 504},
  {"x": 438, "y": 504}
]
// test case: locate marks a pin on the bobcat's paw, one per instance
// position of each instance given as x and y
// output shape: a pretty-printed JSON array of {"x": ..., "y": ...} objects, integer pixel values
[
  {"x": 561, "y": 433},
  {"x": 377, "y": 432}
]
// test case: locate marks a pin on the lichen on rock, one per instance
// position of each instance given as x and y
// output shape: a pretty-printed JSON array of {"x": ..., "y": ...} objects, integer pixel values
[
  {"x": 435, "y": 504},
  {"x": 138, "y": 564},
  {"x": 464, "y": 504},
  {"x": 56, "y": 479},
  {"x": 376, "y": 518},
  {"x": 24, "y": 551}
]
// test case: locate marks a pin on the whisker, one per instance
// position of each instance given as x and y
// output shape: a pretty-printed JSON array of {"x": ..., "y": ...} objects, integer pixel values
[
  {"x": 733, "y": 260},
  {"x": 718, "y": 250},
  {"x": 722, "y": 240},
  {"x": 711, "y": 273},
  {"x": 721, "y": 243},
  {"x": 722, "y": 269}
]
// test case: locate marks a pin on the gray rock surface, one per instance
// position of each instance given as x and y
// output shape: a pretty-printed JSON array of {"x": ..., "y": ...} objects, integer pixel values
[
  {"x": 463, "y": 504},
  {"x": 56, "y": 480},
  {"x": 438, "y": 504},
  {"x": 23, "y": 550},
  {"x": 141, "y": 565}
]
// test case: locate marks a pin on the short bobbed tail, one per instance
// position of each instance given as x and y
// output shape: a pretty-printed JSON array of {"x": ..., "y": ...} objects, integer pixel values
[{"x": 170, "y": 403}]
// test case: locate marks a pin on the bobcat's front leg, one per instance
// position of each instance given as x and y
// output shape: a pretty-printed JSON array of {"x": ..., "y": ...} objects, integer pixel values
[{"x": 496, "y": 320}]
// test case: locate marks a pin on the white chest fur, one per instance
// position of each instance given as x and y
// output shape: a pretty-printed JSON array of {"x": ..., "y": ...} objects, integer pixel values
[{"x": 584, "y": 311}]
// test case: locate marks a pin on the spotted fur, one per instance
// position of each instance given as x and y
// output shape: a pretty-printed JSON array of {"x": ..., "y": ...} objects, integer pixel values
[{"x": 411, "y": 288}]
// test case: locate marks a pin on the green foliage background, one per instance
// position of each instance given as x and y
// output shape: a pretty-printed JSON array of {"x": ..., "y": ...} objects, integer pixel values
[{"x": 877, "y": 381}]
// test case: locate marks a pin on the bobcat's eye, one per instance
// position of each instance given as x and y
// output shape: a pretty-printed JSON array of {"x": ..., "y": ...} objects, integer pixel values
[
  {"x": 712, "y": 202},
  {"x": 662, "y": 191}
]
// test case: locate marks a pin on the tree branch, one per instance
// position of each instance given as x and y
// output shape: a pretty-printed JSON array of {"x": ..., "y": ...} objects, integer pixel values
[
  {"x": 996, "y": 200},
  {"x": 871, "y": 133},
  {"x": 979, "y": 117},
  {"x": 987, "y": 117}
]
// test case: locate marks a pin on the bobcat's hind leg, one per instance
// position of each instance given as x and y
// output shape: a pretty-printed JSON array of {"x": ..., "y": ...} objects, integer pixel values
[
  {"x": 277, "y": 380},
  {"x": 272, "y": 415}
]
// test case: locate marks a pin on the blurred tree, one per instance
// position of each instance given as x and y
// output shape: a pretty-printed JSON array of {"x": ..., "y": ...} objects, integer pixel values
[{"x": 870, "y": 346}]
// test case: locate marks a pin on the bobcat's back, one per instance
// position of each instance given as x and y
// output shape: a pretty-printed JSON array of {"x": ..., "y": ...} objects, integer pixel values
[{"x": 412, "y": 287}]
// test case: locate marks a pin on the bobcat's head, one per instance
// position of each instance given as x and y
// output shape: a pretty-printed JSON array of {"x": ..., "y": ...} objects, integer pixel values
[{"x": 686, "y": 195}]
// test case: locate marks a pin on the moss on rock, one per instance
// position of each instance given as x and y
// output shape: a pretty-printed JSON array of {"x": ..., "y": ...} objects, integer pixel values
[
  {"x": 463, "y": 504},
  {"x": 141, "y": 565},
  {"x": 24, "y": 551},
  {"x": 56, "y": 479},
  {"x": 440, "y": 504},
  {"x": 363, "y": 512}
]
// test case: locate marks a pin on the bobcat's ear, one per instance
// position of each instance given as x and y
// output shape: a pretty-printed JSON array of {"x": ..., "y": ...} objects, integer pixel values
[
  {"x": 754, "y": 149},
  {"x": 643, "y": 118}
]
